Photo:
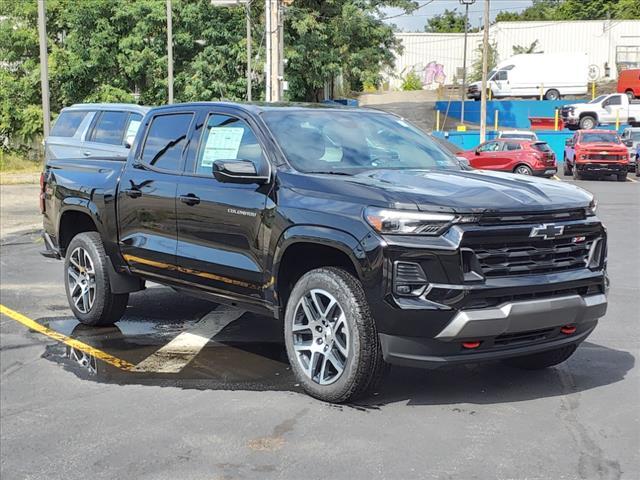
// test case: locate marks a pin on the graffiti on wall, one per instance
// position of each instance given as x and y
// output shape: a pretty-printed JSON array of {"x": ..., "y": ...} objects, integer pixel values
[{"x": 433, "y": 73}]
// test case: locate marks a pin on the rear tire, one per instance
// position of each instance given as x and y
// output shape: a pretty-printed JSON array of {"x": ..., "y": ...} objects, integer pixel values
[
  {"x": 87, "y": 282},
  {"x": 523, "y": 170},
  {"x": 552, "y": 95},
  {"x": 630, "y": 95},
  {"x": 542, "y": 360},
  {"x": 331, "y": 338},
  {"x": 588, "y": 123}
]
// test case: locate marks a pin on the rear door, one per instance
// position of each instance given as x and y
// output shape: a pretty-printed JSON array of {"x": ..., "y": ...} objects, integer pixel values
[
  {"x": 221, "y": 226},
  {"x": 147, "y": 195},
  {"x": 107, "y": 136}
]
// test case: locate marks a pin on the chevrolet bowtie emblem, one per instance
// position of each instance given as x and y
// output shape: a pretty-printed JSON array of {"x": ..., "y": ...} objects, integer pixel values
[{"x": 546, "y": 231}]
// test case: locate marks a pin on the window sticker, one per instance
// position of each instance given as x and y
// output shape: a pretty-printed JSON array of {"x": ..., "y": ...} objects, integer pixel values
[{"x": 223, "y": 143}]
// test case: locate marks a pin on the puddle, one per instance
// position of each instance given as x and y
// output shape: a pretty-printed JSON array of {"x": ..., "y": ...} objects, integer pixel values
[
  {"x": 247, "y": 354},
  {"x": 229, "y": 361}
]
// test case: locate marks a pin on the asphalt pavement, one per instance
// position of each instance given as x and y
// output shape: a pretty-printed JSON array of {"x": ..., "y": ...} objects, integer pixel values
[{"x": 131, "y": 401}]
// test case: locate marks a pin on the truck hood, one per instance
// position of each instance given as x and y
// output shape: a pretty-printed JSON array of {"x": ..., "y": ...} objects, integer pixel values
[{"x": 451, "y": 190}]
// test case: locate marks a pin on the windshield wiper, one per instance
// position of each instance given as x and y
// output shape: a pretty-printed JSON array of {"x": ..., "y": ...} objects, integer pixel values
[{"x": 331, "y": 173}]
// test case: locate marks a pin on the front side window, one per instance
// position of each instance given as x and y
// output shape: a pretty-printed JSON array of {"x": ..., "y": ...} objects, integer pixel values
[
  {"x": 614, "y": 101},
  {"x": 489, "y": 147},
  {"x": 67, "y": 123},
  {"x": 109, "y": 128},
  {"x": 501, "y": 75},
  {"x": 166, "y": 139},
  {"x": 227, "y": 138},
  {"x": 342, "y": 141}
]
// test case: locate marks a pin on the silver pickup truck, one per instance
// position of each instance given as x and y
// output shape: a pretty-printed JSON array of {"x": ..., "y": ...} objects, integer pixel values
[
  {"x": 602, "y": 110},
  {"x": 104, "y": 130}
]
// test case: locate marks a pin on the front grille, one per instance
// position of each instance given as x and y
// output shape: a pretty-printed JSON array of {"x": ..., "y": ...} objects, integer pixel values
[
  {"x": 607, "y": 157},
  {"x": 533, "y": 256}
]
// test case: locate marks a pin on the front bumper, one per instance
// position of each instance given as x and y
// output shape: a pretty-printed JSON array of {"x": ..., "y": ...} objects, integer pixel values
[
  {"x": 601, "y": 168},
  {"x": 510, "y": 330}
]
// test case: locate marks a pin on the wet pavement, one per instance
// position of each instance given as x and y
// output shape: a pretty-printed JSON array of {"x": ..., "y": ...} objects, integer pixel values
[{"x": 229, "y": 408}]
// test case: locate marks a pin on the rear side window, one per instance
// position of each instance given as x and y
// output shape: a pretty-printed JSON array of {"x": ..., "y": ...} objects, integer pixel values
[
  {"x": 541, "y": 146},
  {"x": 68, "y": 123},
  {"x": 166, "y": 139},
  {"x": 510, "y": 146},
  {"x": 109, "y": 128}
]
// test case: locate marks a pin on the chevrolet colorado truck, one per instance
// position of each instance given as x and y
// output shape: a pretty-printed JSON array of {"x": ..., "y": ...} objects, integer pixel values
[
  {"x": 596, "y": 153},
  {"x": 602, "y": 110},
  {"x": 370, "y": 243}
]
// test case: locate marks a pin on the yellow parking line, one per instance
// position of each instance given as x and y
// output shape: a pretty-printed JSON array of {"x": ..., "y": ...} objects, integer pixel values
[
  {"x": 555, "y": 177},
  {"x": 632, "y": 180},
  {"x": 71, "y": 342}
]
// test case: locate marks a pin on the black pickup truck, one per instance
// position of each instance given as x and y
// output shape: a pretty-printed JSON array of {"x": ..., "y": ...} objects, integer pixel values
[{"x": 372, "y": 244}]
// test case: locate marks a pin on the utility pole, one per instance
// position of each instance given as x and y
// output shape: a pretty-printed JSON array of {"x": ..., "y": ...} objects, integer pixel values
[
  {"x": 44, "y": 67},
  {"x": 248, "y": 14},
  {"x": 466, "y": 4},
  {"x": 274, "y": 64},
  {"x": 170, "y": 52},
  {"x": 485, "y": 63}
]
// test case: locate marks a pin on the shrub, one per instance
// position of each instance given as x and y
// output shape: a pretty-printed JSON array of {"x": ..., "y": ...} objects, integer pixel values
[{"x": 412, "y": 82}]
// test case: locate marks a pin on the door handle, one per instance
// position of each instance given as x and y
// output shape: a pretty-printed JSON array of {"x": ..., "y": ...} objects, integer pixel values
[
  {"x": 190, "y": 199},
  {"x": 133, "y": 192}
]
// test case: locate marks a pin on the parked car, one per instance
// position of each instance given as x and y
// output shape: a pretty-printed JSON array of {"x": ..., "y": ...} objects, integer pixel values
[
  {"x": 384, "y": 251},
  {"x": 629, "y": 83},
  {"x": 514, "y": 155},
  {"x": 602, "y": 110},
  {"x": 631, "y": 138},
  {"x": 521, "y": 134},
  {"x": 454, "y": 150},
  {"x": 94, "y": 130},
  {"x": 529, "y": 75},
  {"x": 596, "y": 153}
]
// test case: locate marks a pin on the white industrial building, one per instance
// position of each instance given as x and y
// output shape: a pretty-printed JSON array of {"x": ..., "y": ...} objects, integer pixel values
[{"x": 437, "y": 57}]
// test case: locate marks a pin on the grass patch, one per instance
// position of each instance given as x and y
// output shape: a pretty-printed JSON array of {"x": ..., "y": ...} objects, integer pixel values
[{"x": 13, "y": 163}]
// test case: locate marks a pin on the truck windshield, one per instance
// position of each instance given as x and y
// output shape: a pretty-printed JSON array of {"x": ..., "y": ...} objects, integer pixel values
[
  {"x": 598, "y": 99},
  {"x": 346, "y": 142},
  {"x": 600, "y": 138}
]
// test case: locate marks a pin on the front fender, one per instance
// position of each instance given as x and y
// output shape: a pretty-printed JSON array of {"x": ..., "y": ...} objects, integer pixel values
[{"x": 326, "y": 236}]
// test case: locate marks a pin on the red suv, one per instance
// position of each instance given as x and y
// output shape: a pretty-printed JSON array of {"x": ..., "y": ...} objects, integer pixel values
[
  {"x": 513, "y": 155},
  {"x": 597, "y": 153}
]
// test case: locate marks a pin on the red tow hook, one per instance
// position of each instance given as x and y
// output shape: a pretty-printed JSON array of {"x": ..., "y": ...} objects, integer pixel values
[
  {"x": 568, "y": 329},
  {"x": 470, "y": 345}
]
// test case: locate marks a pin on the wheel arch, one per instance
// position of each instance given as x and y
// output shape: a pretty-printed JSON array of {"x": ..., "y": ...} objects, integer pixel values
[
  {"x": 303, "y": 248},
  {"x": 75, "y": 218}
]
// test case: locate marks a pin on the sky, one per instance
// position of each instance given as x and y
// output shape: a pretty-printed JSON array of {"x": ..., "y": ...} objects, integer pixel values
[{"x": 417, "y": 20}]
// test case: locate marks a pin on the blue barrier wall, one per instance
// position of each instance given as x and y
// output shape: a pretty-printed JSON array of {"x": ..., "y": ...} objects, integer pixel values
[{"x": 511, "y": 113}]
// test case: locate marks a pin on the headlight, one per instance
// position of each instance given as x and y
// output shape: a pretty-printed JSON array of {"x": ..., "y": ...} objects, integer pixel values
[
  {"x": 407, "y": 223},
  {"x": 593, "y": 206}
]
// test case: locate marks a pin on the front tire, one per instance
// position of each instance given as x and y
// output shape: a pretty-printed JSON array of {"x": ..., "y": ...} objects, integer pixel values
[
  {"x": 576, "y": 174},
  {"x": 87, "y": 282},
  {"x": 567, "y": 168},
  {"x": 542, "y": 360},
  {"x": 552, "y": 95},
  {"x": 331, "y": 338},
  {"x": 622, "y": 177}
]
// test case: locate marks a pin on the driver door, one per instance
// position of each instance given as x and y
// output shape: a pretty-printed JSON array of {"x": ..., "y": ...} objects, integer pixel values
[
  {"x": 486, "y": 155},
  {"x": 221, "y": 226}
]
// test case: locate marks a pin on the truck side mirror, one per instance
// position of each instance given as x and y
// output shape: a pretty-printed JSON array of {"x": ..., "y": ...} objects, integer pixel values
[
  {"x": 237, "y": 171},
  {"x": 628, "y": 143}
]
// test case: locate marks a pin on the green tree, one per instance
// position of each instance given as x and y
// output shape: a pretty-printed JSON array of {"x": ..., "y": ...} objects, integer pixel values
[
  {"x": 575, "y": 10},
  {"x": 533, "y": 48},
  {"x": 449, "y": 21},
  {"x": 492, "y": 61}
]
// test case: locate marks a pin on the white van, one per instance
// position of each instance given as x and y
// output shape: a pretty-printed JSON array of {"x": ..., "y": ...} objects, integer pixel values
[{"x": 530, "y": 75}]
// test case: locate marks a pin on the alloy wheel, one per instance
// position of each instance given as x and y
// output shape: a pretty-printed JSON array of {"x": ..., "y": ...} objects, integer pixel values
[
  {"x": 81, "y": 280},
  {"x": 320, "y": 336},
  {"x": 522, "y": 170}
]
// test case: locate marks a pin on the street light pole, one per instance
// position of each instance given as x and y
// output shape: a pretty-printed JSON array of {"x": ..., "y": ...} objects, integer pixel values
[
  {"x": 248, "y": 6},
  {"x": 169, "y": 52},
  {"x": 485, "y": 64},
  {"x": 44, "y": 68},
  {"x": 466, "y": 4}
]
